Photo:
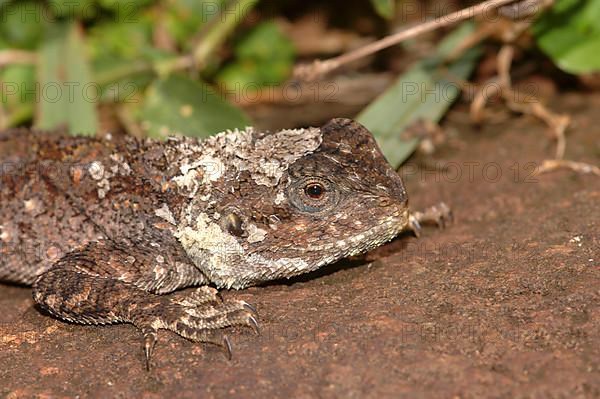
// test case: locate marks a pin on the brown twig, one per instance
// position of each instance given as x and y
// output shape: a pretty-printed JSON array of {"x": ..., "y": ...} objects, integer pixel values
[
  {"x": 557, "y": 122},
  {"x": 319, "y": 68},
  {"x": 514, "y": 100},
  {"x": 11, "y": 57},
  {"x": 550, "y": 165}
]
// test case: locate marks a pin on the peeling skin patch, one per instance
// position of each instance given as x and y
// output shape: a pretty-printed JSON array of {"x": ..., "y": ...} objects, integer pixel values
[
  {"x": 96, "y": 170},
  {"x": 229, "y": 153},
  {"x": 218, "y": 254},
  {"x": 255, "y": 234},
  {"x": 279, "y": 198},
  {"x": 274, "y": 153},
  {"x": 160, "y": 272},
  {"x": 102, "y": 174},
  {"x": 34, "y": 206},
  {"x": 103, "y": 188},
  {"x": 213, "y": 168},
  {"x": 187, "y": 181},
  {"x": 212, "y": 249},
  {"x": 120, "y": 166},
  {"x": 205, "y": 170},
  {"x": 8, "y": 231},
  {"x": 165, "y": 213},
  {"x": 29, "y": 205}
]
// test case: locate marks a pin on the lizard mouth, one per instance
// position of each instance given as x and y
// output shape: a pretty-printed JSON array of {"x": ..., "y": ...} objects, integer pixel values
[{"x": 371, "y": 238}]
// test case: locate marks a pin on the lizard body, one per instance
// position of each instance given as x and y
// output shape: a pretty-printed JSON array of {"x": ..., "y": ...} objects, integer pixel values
[{"x": 108, "y": 231}]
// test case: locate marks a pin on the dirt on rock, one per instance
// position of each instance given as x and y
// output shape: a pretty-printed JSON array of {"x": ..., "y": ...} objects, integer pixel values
[{"x": 503, "y": 303}]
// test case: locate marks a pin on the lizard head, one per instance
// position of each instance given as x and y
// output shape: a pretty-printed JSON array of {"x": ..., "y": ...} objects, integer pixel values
[
  {"x": 294, "y": 201},
  {"x": 344, "y": 198}
]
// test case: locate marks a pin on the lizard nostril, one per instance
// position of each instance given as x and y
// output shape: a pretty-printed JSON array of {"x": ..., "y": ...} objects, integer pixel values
[
  {"x": 385, "y": 201},
  {"x": 395, "y": 186}
]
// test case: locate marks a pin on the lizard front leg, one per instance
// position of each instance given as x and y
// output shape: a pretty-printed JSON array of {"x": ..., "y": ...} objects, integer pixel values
[
  {"x": 109, "y": 283},
  {"x": 438, "y": 214}
]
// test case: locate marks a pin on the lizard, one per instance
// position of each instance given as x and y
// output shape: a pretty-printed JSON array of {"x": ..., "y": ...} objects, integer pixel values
[{"x": 112, "y": 230}]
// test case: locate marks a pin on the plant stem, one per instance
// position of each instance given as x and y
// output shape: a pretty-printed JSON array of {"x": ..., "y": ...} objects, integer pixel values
[{"x": 229, "y": 19}]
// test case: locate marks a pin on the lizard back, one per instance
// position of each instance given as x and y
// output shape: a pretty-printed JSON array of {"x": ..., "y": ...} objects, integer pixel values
[{"x": 57, "y": 193}]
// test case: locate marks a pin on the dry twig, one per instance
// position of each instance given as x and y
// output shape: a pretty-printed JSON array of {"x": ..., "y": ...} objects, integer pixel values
[
  {"x": 318, "y": 68},
  {"x": 550, "y": 165},
  {"x": 12, "y": 57}
]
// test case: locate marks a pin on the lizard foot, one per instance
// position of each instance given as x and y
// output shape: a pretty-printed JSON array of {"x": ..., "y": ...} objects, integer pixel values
[
  {"x": 439, "y": 215},
  {"x": 70, "y": 292},
  {"x": 199, "y": 316}
]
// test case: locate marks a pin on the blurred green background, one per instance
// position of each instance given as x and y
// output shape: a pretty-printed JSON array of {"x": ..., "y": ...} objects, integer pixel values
[{"x": 167, "y": 67}]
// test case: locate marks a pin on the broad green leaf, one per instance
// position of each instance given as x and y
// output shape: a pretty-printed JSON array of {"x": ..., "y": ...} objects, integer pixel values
[
  {"x": 426, "y": 91},
  {"x": 385, "y": 8},
  {"x": 67, "y": 95},
  {"x": 177, "y": 105},
  {"x": 122, "y": 80},
  {"x": 570, "y": 34}
]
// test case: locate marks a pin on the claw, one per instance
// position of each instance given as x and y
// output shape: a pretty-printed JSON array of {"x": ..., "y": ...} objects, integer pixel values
[
  {"x": 441, "y": 223},
  {"x": 227, "y": 346},
  {"x": 254, "y": 324},
  {"x": 251, "y": 308},
  {"x": 149, "y": 343},
  {"x": 449, "y": 216},
  {"x": 219, "y": 296},
  {"x": 444, "y": 215},
  {"x": 414, "y": 225}
]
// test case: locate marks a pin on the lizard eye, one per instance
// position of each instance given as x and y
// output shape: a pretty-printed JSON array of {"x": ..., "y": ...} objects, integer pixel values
[
  {"x": 313, "y": 194},
  {"x": 314, "y": 190}
]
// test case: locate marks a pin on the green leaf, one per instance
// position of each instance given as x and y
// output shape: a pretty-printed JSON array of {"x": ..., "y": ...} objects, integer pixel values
[
  {"x": 426, "y": 91},
  {"x": 105, "y": 40},
  {"x": 385, "y": 8},
  {"x": 85, "y": 9},
  {"x": 18, "y": 85},
  {"x": 20, "y": 23},
  {"x": 184, "y": 18},
  {"x": 264, "y": 57},
  {"x": 66, "y": 94},
  {"x": 124, "y": 6},
  {"x": 17, "y": 94},
  {"x": 569, "y": 33},
  {"x": 178, "y": 105}
]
